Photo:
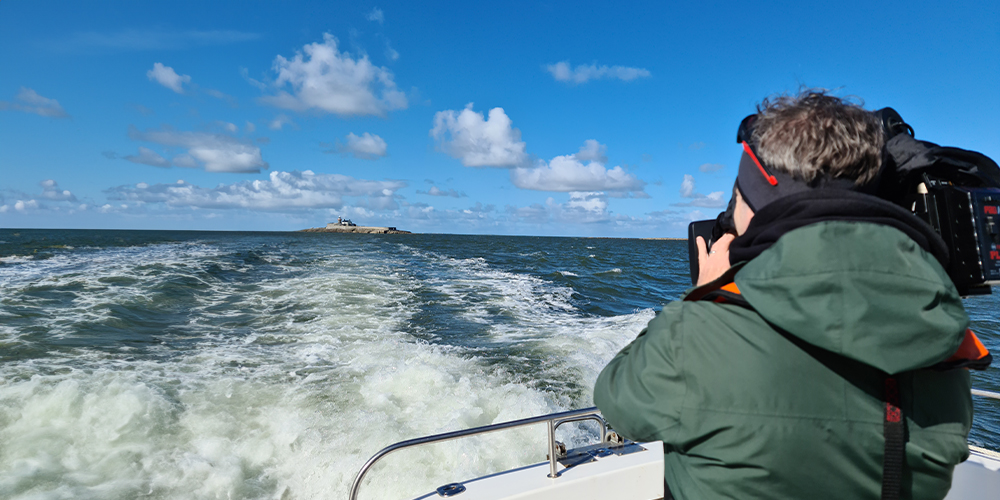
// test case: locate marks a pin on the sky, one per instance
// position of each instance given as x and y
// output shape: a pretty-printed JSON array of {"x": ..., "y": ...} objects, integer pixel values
[{"x": 509, "y": 118}]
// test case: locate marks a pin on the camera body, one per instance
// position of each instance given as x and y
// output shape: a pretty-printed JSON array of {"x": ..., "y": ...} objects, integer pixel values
[
  {"x": 968, "y": 219},
  {"x": 955, "y": 191}
]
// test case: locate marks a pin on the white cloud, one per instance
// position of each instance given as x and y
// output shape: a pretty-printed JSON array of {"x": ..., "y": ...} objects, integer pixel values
[
  {"x": 711, "y": 167},
  {"x": 562, "y": 72},
  {"x": 588, "y": 202},
  {"x": 280, "y": 121},
  {"x": 435, "y": 191},
  {"x": 229, "y": 127},
  {"x": 367, "y": 146},
  {"x": 479, "y": 142},
  {"x": 166, "y": 76},
  {"x": 390, "y": 53},
  {"x": 24, "y": 206},
  {"x": 51, "y": 191},
  {"x": 250, "y": 127},
  {"x": 568, "y": 173},
  {"x": 149, "y": 157},
  {"x": 593, "y": 151},
  {"x": 581, "y": 208},
  {"x": 216, "y": 152},
  {"x": 687, "y": 186},
  {"x": 376, "y": 15},
  {"x": 331, "y": 81},
  {"x": 282, "y": 191},
  {"x": 245, "y": 73},
  {"x": 712, "y": 200},
  {"x": 29, "y": 101},
  {"x": 185, "y": 161}
]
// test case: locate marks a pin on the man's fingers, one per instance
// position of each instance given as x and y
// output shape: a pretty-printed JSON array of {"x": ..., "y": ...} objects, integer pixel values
[
  {"x": 702, "y": 247},
  {"x": 722, "y": 244}
]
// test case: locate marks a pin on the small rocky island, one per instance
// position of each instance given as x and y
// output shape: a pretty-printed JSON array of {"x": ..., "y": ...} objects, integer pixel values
[{"x": 346, "y": 226}]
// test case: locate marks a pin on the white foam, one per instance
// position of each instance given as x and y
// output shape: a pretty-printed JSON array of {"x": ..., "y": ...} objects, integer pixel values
[{"x": 294, "y": 407}]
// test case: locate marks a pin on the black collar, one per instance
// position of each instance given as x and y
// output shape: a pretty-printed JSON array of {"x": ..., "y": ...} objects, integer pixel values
[{"x": 818, "y": 205}]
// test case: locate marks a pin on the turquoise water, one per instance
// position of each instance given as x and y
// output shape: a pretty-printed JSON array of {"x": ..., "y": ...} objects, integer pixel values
[{"x": 158, "y": 364}]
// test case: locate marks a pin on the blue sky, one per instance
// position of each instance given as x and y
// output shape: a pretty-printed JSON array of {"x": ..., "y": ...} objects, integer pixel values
[{"x": 576, "y": 118}]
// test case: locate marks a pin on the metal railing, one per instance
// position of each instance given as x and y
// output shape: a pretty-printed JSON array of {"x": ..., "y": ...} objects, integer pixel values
[
  {"x": 986, "y": 394},
  {"x": 554, "y": 420}
]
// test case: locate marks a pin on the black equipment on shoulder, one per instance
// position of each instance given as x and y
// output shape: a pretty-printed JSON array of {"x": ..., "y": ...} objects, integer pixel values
[{"x": 955, "y": 191}]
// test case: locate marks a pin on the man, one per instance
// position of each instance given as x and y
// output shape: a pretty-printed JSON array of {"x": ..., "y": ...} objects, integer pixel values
[{"x": 801, "y": 371}]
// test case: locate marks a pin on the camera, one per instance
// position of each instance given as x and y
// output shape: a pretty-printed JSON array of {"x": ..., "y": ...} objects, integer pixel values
[{"x": 955, "y": 191}]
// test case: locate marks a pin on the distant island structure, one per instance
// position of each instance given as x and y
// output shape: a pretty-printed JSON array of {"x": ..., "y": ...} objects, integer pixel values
[{"x": 346, "y": 226}]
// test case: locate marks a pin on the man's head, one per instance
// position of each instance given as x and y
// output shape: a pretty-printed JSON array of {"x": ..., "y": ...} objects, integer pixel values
[
  {"x": 805, "y": 142},
  {"x": 815, "y": 134}
]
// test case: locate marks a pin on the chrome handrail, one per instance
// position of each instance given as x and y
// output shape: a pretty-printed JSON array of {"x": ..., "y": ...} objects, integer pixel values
[
  {"x": 986, "y": 394},
  {"x": 554, "y": 420}
]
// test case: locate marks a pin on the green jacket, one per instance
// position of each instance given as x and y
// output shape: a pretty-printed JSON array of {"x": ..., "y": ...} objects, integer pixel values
[{"x": 784, "y": 400}]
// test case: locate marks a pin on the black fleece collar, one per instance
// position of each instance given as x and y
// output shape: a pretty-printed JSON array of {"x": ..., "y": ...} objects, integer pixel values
[{"x": 819, "y": 205}]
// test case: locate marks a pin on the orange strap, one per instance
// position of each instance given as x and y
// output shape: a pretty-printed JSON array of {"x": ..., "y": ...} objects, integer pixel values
[
  {"x": 971, "y": 348},
  {"x": 731, "y": 287}
]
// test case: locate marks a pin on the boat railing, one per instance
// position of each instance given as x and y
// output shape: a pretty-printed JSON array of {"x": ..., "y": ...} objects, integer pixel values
[
  {"x": 986, "y": 394},
  {"x": 554, "y": 420}
]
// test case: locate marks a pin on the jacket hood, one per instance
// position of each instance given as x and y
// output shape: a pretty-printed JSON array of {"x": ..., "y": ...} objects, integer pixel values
[{"x": 863, "y": 290}]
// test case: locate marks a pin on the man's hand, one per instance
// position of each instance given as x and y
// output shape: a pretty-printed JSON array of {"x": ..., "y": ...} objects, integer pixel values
[{"x": 712, "y": 264}]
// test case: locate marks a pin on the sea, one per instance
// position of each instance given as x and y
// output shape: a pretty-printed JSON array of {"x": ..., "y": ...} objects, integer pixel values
[{"x": 255, "y": 365}]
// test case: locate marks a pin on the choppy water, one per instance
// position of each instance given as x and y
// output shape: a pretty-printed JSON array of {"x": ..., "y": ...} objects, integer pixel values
[{"x": 185, "y": 365}]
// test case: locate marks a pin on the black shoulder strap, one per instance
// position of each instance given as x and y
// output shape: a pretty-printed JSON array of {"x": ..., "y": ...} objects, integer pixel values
[{"x": 894, "y": 431}]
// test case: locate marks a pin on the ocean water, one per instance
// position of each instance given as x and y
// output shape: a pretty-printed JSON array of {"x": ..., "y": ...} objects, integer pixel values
[{"x": 180, "y": 365}]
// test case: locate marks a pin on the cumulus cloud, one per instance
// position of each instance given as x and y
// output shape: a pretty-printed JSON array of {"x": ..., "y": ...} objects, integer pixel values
[
  {"x": 711, "y": 167},
  {"x": 588, "y": 202},
  {"x": 149, "y": 157},
  {"x": 21, "y": 206},
  {"x": 279, "y": 122},
  {"x": 583, "y": 73},
  {"x": 366, "y": 146},
  {"x": 376, "y": 15},
  {"x": 390, "y": 53},
  {"x": 592, "y": 151},
  {"x": 324, "y": 79},
  {"x": 51, "y": 191},
  {"x": 228, "y": 127},
  {"x": 185, "y": 161},
  {"x": 479, "y": 141},
  {"x": 581, "y": 208},
  {"x": 166, "y": 76},
  {"x": 479, "y": 208},
  {"x": 435, "y": 191},
  {"x": 282, "y": 191},
  {"x": 215, "y": 152},
  {"x": 29, "y": 101},
  {"x": 569, "y": 173},
  {"x": 712, "y": 200},
  {"x": 53, "y": 199}
]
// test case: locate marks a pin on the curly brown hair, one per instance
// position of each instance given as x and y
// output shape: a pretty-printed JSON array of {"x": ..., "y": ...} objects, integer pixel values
[{"x": 814, "y": 133}]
